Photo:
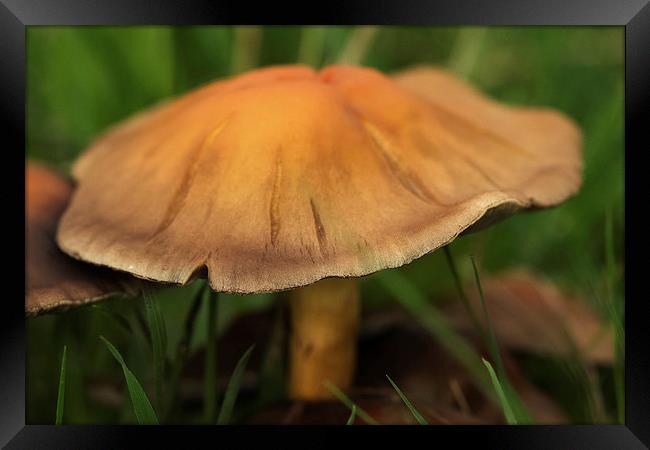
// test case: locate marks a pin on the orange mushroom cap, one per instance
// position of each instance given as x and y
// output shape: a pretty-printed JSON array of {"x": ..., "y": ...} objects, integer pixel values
[
  {"x": 54, "y": 280},
  {"x": 283, "y": 176}
]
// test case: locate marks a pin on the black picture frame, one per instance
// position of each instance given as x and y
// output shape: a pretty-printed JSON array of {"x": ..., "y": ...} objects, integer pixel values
[{"x": 634, "y": 15}]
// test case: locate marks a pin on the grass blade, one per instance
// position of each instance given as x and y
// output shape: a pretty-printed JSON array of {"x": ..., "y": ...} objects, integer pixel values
[
  {"x": 461, "y": 291},
  {"x": 353, "y": 415},
  {"x": 467, "y": 50},
  {"x": 183, "y": 347},
  {"x": 339, "y": 394},
  {"x": 60, "y": 401},
  {"x": 408, "y": 403},
  {"x": 142, "y": 408},
  {"x": 505, "y": 405},
  {"x": 210, "y": 376},
  {"x": 272, "y": 371},
  {"x": 312, "y": 45},
  {"x": 247, "y": 45},
  {"x": 233, "y": 388},
  {"x": 492, "y": 340},
  {"x": 359, "y": 42},
  {"x": 158, "y": 333},
  {"x": 514, "y": 401}
]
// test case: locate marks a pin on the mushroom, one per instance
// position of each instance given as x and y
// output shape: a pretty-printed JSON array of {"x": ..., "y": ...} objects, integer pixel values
[
  {"x": 287, "y": 178},
  {"x": 53, "y": 279}
]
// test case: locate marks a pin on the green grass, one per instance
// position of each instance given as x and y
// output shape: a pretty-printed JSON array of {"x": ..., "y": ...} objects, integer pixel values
[
  {"x": 158, "y": 335},
  {"x": 142, "y": 408},
  {"x": 119, "y": 71},
  {"x": 505, "y": 387},
  {"x": 408, "y": 403},
  {"x": 461, "y": 290},
  {"x": 340, "y": 395},
  {"x": 60, "y": 401},
  {"x": 508, "y": 412},
  {"x": 353, "y": 415},
  {"x": 210, "y": 374},
  {"x": 183, "y": 348},
  {"x": 230, "y": 396},
  {"x": 272, "y": 372}
]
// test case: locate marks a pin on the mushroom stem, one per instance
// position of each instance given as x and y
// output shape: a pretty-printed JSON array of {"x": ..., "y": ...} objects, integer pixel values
[{"x": 325, "y": 323}]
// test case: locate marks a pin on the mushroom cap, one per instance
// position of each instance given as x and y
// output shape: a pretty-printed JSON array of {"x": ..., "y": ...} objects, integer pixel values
[
  {"x": 283, "y": 176},
  {"x": 53, "y": 279}
]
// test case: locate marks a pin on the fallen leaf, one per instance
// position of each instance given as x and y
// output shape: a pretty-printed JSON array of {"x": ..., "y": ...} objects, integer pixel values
[{"x": 531, "y": 314}]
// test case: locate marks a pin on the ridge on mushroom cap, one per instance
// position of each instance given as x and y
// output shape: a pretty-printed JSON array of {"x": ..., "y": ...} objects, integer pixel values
[
  {"x": 54, "y": 280},
  {"x": 283, "y": 176}
]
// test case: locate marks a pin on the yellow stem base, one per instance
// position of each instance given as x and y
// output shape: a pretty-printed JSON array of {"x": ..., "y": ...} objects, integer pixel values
[{"x": 325, "y": 323}]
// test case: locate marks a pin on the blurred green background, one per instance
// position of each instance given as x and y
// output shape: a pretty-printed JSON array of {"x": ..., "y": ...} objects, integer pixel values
[{"x": 80, "y": 80}]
